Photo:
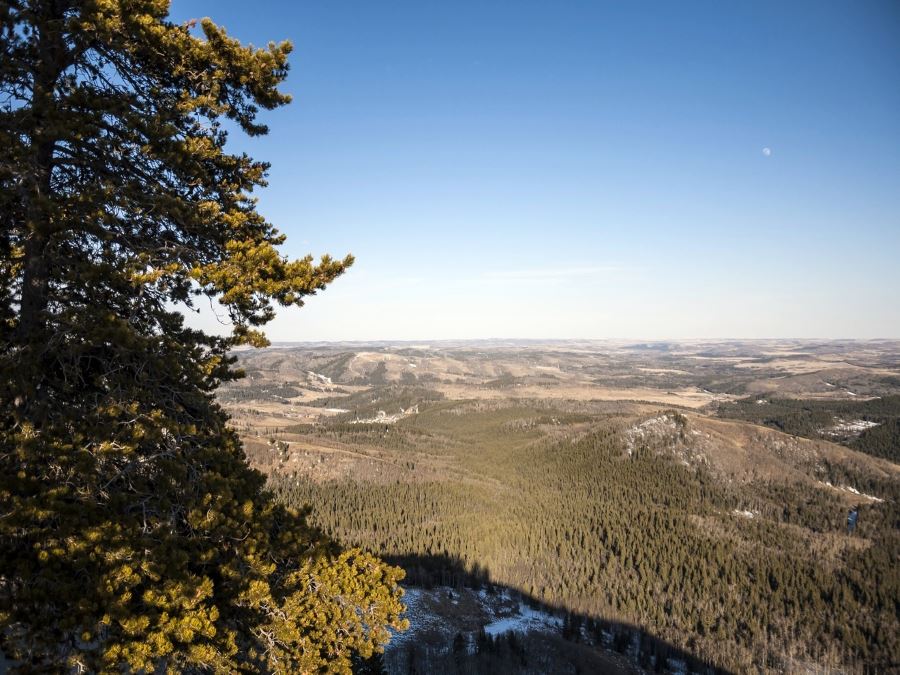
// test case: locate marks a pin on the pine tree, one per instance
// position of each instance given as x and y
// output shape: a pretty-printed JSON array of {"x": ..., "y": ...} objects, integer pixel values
[{"x": 133, "y": 534}]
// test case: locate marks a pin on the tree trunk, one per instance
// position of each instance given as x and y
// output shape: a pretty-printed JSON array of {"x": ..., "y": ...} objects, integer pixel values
[{"x": 38, "y": 225}]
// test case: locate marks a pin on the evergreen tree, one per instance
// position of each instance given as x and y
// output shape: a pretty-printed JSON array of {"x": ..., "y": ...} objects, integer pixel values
[
  {"x": 374, "y": 665},
  {"x": 133, "y": 535}
]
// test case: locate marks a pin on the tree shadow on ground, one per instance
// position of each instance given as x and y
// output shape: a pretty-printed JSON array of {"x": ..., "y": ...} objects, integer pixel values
[{"x": 582, "y": 644}]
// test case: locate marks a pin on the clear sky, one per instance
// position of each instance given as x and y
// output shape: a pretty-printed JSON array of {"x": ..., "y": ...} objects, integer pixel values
[{"x": 563, "y": 169}]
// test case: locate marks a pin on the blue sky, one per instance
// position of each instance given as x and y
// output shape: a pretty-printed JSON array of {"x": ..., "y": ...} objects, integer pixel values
[{"x": 568, "y": 169}]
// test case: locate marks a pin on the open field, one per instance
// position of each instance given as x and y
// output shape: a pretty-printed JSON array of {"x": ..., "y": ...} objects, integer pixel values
[{"x": 688, "y": 374}]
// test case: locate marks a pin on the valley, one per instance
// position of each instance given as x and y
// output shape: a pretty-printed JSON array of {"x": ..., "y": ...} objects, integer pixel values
[{"x": 605, "y": 506}]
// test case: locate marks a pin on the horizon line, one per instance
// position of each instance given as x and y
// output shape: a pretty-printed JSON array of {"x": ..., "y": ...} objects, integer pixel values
[{"x": 604, "y": 339}]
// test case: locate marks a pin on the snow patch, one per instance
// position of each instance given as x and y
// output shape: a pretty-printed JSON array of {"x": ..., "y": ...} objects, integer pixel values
[
  {"x": 525, "y": 620},
  {"x": 852, "y": 490},
  {"x": 381, "y": 417},
  {"x": 418, "y": 615},
  {"x": 844, "y": 427},
  {"x": 655, "y": 427},
  {"x": 677, "y": 667}
]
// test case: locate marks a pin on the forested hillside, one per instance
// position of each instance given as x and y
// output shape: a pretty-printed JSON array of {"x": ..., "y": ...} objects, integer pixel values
[
  {"x": 680, "y": 528},
  {"x": 871, "y": 426},
  {"x": 626, "y": 512}
]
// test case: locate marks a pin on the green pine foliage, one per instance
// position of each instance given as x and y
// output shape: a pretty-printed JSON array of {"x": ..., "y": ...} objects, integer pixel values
[{"x": 133, "y": 535}]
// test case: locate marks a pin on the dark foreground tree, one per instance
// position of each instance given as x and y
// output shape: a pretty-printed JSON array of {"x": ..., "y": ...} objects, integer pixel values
[{"x": 133, "y": 535}]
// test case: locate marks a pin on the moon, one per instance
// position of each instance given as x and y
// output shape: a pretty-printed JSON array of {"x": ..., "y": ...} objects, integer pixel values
[{"x": 767, "y": 152}]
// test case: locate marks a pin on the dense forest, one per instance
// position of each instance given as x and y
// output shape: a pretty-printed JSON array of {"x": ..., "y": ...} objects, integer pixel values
[
  {"x": 551, "y": 502},
  {"x": 815, "y": 418}
]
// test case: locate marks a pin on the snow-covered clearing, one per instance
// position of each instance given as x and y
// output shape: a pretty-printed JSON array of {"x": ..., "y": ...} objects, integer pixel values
[
  {"x": 420, "y": 618},
  {"x": 522, "y": 621},
  {"x": 498, "y": 613},
  {"x": 844, "y": 427},
  {"x": 381, "y": 417},
  {"x": 323, "y": 379}
]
